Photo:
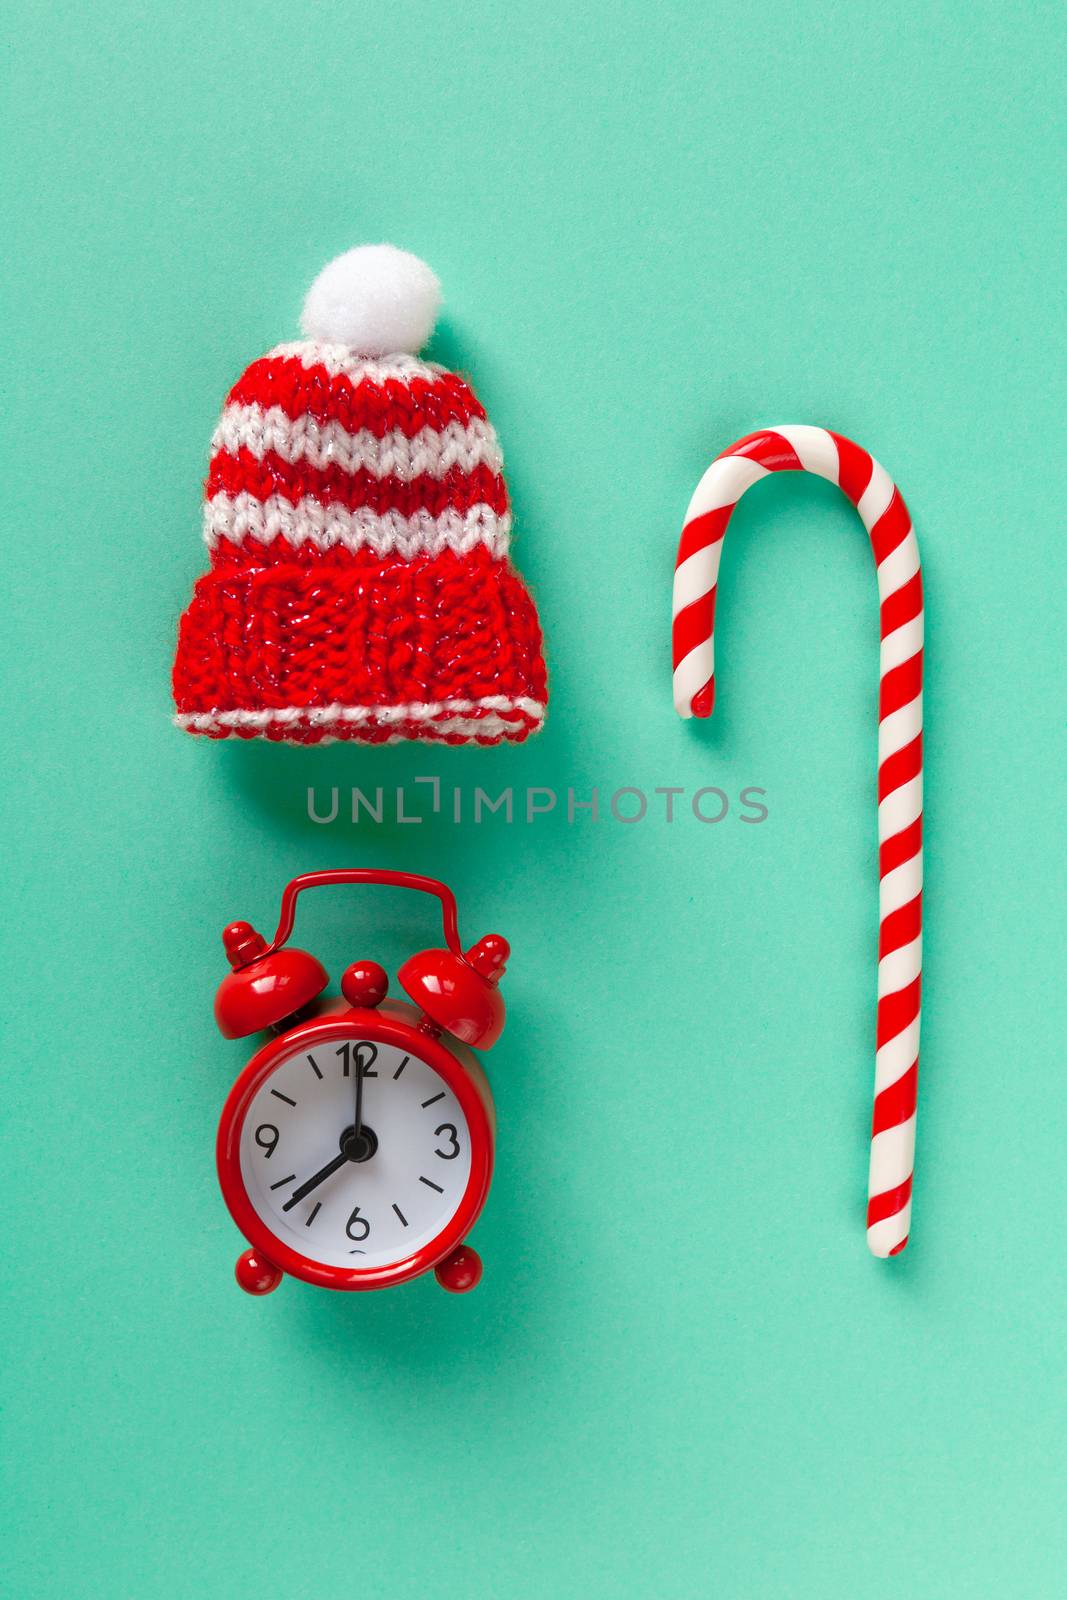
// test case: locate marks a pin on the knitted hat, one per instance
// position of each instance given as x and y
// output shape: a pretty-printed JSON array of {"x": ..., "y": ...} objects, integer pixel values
[{"x": 358, "y": 524}]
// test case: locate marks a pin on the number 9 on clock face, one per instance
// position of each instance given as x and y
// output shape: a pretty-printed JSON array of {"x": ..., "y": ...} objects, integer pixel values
[{"x": 355, "y": 1160}]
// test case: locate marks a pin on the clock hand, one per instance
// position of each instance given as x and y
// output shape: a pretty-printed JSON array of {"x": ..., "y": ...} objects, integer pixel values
[
  {"x": 313, "y": 1183},
  {"x": 358, "y": 1053}
]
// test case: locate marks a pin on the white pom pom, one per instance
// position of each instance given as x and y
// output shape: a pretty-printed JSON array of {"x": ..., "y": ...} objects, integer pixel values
[{"x": 378, "y": 300}]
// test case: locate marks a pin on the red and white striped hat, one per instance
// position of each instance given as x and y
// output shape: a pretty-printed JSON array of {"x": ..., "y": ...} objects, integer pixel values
[{"x": 358, "y": 524}]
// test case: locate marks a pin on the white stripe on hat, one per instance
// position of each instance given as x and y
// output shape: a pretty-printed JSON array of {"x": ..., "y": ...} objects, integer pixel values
[
  {"x": 307, "y": 521},
  {"x": 429, "y": 453}
]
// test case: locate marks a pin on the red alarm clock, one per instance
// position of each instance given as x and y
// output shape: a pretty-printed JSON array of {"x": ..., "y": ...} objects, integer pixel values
[{"x": 355, "y": 1150}]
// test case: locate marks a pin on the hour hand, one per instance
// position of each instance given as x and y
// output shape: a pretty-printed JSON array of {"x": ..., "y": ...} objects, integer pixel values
[{"x": 313, "y": 1182}]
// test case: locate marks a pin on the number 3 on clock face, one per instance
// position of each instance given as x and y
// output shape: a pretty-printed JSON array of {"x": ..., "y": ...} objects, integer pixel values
[{"x": 355, "y": 1161}]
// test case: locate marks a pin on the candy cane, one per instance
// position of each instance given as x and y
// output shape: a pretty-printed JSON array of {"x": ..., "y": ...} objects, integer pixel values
[{"x": 896, "y": 555}]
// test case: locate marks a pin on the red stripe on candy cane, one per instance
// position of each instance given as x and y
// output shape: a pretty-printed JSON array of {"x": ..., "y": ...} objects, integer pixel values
[
  {"x": 902, "y": 606},
  {"x": 900, "y": 928},
  {"x": 693, "y": 623},
  {"x": 901, "y": 848},
  {"x": 885, "y": 1206},
  {"x": 897, "y": 1103},
  {"x": 898, "y": 768},
  {"x": 702, "y": 531},
  {"x": 896, "y": 555}
]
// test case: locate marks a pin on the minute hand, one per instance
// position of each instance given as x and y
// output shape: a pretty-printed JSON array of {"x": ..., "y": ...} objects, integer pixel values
[
  {"x": 313, "y": 1183},
  {"x": 359, "y": 1090}
]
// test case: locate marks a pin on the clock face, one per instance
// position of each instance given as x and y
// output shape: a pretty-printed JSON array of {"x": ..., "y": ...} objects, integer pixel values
[{"x": 354, "y": 1189}]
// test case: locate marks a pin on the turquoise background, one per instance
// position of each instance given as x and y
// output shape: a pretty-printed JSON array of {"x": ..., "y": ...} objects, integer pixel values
[{"x": 658, "y": 227}]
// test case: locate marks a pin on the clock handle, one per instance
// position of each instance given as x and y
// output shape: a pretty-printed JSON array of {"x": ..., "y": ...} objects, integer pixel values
[{"x": 398, "y": 880}]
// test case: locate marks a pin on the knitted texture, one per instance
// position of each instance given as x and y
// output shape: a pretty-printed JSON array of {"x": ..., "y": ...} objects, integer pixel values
[{"x": 359, "y": 586}]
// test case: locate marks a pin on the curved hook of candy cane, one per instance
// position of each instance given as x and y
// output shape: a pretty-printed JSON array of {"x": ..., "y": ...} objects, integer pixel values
[{"x": 896, "y": 553}]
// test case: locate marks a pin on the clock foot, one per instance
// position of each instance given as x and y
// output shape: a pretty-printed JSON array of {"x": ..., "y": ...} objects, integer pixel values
[
  {"x": 459, "y": 1271},
  {"x": 256, "y": 1274}
]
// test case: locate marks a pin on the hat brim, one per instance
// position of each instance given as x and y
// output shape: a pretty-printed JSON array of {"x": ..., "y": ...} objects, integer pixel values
[{"x": 490, "y": 720}]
